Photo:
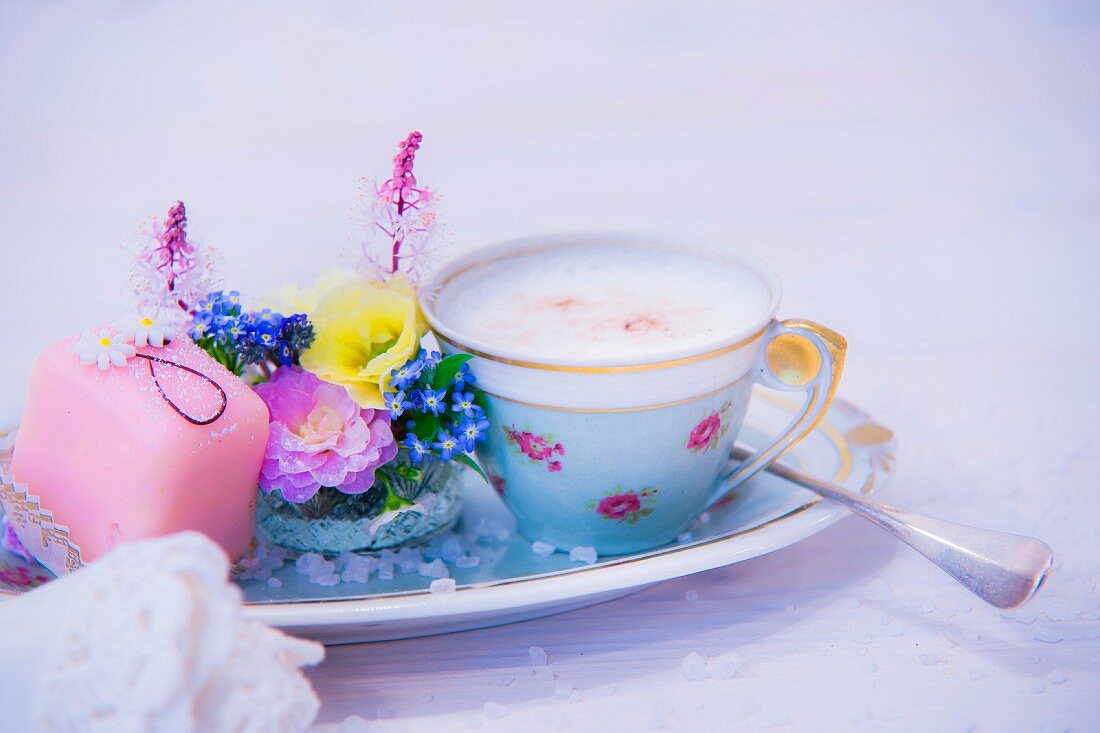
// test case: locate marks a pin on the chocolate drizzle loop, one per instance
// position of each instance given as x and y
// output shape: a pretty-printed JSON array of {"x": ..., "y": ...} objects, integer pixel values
[{"x": 152, "y": 372}]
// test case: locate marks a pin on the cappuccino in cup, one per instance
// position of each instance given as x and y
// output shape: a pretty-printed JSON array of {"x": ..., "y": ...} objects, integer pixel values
[
  {"x": 606, "y": 302},
  {"x": 617, "y": 373}
]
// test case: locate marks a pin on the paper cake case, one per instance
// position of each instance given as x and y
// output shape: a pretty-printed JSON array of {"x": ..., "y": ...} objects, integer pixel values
[{"x": 33, "y": 524}]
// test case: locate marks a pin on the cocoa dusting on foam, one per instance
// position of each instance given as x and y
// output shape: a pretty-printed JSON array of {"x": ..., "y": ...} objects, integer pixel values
[
  {"x": 604, "y": 301},
  {"x": 645, "y": 324}
]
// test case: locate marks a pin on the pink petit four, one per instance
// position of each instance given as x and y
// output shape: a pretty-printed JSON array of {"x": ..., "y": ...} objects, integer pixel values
[{"x": 167, "y": 441}]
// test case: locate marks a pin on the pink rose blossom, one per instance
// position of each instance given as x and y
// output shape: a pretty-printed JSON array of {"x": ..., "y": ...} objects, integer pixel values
[
  {"x": 536, "y": 447},
  {"x": 619, "y": 505},
  {"x": 320, "y": 437},
  {"x": 705, "y": 432}
]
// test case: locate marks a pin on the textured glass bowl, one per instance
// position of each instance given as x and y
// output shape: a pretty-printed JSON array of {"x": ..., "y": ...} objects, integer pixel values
[{"x": 333, "y": 522}]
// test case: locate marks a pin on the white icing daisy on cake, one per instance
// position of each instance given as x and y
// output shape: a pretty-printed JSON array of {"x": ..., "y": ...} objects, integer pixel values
[
  {"x": 145, "y": 329},
  {"x": 103, "y": 348}
]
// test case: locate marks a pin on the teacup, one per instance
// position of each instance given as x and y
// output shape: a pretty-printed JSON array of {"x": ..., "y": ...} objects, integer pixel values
[{"x": 619, "y": 437}]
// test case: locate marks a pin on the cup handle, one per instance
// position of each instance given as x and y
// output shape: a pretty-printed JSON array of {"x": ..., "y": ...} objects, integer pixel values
[{"x": 798, "y": 356}]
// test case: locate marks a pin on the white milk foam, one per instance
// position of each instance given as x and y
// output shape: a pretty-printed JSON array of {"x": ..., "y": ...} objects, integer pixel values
[{"x": 603, "y": 301}]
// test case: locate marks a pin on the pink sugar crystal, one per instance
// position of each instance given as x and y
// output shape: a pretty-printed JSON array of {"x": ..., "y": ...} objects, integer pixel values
[{"x": 113, "y": 461}]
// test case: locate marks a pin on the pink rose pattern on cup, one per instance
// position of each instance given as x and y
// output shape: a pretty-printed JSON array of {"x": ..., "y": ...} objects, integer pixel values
[
  {"x": 710, "y": 430},
  {"x": 537, "y": 448},
  {"x": 626, "y": 506}
]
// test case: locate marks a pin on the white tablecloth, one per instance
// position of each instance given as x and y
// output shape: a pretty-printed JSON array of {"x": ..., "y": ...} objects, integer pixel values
[{"x": 923, "y": 177}]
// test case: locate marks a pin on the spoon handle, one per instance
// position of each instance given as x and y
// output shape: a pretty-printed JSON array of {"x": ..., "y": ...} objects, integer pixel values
[{"x": 1004, "y": 570}]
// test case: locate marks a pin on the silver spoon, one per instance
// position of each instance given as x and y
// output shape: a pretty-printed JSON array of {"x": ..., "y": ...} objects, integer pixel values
[{"x": 1004, "y": 570}]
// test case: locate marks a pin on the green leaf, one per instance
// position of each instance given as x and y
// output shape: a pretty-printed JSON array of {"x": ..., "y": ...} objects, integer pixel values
[
  {"x": 426, "y": 426},
  {"x": 395, "y": 502},
  {"x": 467, "y": 461},
  {"x": 480, "y": 399},
  {"x": 447, "y": 369}
]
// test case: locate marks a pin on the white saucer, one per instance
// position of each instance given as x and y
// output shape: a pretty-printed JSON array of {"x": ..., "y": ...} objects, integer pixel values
[{"x": 512, "y": 583}]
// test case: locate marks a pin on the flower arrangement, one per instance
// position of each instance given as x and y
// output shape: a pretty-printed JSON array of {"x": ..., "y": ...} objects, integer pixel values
[{"x": 365, "y": 423}]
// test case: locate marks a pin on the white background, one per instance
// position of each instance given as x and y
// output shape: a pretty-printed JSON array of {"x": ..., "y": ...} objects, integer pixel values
[{"x": 924, "y": 177}]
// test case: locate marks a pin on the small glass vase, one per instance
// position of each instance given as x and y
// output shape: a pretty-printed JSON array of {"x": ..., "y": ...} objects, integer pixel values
[{"x": 333, "y": 522}]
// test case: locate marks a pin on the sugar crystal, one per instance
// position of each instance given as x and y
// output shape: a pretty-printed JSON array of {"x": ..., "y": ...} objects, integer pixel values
[
  {"x": 583, "y": 554},
  {"x": 542, "y": 549}
]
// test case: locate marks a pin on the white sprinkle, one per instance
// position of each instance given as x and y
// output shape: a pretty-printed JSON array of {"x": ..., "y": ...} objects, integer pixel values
[
  {"x": 694, "y": 667},
  {"x": 274, "y": 583},
  {"x": 433, "y": 569},
  {"x": 868, "y": 666},
  {"x": 1057, "y": 677},
  {"x": 1036, "y": 686},
  {"x": 306, "y": 562},
  {"x": 442, "y": 585},
  {"x": 563, "y": 690},
  {"x": 975, "y": 674},
  {"x": 453, "y": 549},
  {"x": 353, "y": 724},
  {"x": 576, "y": 696},
  {"x": 725, "y": 666},
  {"x": 357, "y": 569},
  {"x": 584, "y": 554},
  {"x": 684, "y": 538},
  {"x": 539, "y": 657},
  {"x": 330, "y": 579},
  {"x": 545, "y": 674},
  {"x": 542, "y": 549},
  {"x": 494, "y": 710},
  {"x": 691, "y": 595},
  {"x": 605, "y": 691},
  {"x": 385, "y": 570}
]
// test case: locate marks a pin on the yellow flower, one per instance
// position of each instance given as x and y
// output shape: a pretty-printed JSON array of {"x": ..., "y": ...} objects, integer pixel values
[
  {"x": 364, "y": 330},
  {"x": 293, "y": 299}
]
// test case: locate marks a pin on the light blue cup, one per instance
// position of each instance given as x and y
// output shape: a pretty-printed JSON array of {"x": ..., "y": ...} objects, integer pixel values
[{"x": 623, "y": 457}]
